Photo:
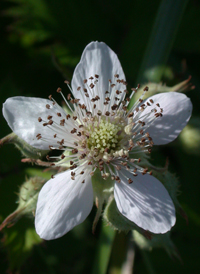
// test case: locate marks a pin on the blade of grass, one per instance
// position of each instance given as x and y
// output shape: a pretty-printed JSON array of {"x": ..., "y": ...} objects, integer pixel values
[{"x": 163, "y": 34}]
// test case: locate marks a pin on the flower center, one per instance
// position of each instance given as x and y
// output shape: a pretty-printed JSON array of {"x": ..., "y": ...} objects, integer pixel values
[
  {"x": 105, "y": 136},
  {"x": 101, "y": 132}
]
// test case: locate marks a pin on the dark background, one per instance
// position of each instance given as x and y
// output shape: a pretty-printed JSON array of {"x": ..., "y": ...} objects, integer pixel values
[{"x": 41, "y": 43}]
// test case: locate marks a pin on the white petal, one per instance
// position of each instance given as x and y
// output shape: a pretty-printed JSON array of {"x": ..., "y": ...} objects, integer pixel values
[
  {"x": 62, "y": 204},
  {"x": 97, "y": 58},
  {"x": 145, "y": 202},
  {"x": 177, "y": 109},
  {"x": 22, "y": 113}
]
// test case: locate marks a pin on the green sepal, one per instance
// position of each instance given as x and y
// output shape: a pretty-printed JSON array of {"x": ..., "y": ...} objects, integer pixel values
[
  {"x": 28, "y": 195},
  {"x": 26, "y": 150},
  {"x": 157, "y": 241},
  {"x": 116, "y": 220}
]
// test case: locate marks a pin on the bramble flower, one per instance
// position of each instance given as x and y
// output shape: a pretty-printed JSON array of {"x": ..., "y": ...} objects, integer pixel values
[{"x": 100, "y": 134}]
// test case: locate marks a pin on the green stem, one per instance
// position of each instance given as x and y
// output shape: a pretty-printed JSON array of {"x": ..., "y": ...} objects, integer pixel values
[
  {"x": 104, "y": 248},
  {"x": 147, "y": 262}
]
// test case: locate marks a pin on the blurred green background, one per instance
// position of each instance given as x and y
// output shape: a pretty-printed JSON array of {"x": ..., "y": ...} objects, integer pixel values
[{"x": 41, "y": 43}]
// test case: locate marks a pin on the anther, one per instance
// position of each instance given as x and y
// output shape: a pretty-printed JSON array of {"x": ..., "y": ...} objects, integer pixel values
[
  {"x": 99, "y": 113},
  {"x": 47, "y": 106},
  {"x": 73, "y": 130},
  {"x": 130, "y": 181},
  {"x": 62, "y": 122},
  {"x": 59, "y": 90},
  {"x": 39, "y": 119}
]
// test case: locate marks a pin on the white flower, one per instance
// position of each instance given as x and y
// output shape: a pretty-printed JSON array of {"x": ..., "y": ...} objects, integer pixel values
[{"x": 100, "y": 134}]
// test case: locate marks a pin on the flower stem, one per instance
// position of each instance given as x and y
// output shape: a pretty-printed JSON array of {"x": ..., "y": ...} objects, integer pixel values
[
  {"x": 103, "y": 251},
  {"x": 147, "y": 262}
]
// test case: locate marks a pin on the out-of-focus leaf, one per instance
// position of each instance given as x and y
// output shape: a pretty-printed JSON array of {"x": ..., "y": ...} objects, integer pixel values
[{"x": 19, "y": 241}]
